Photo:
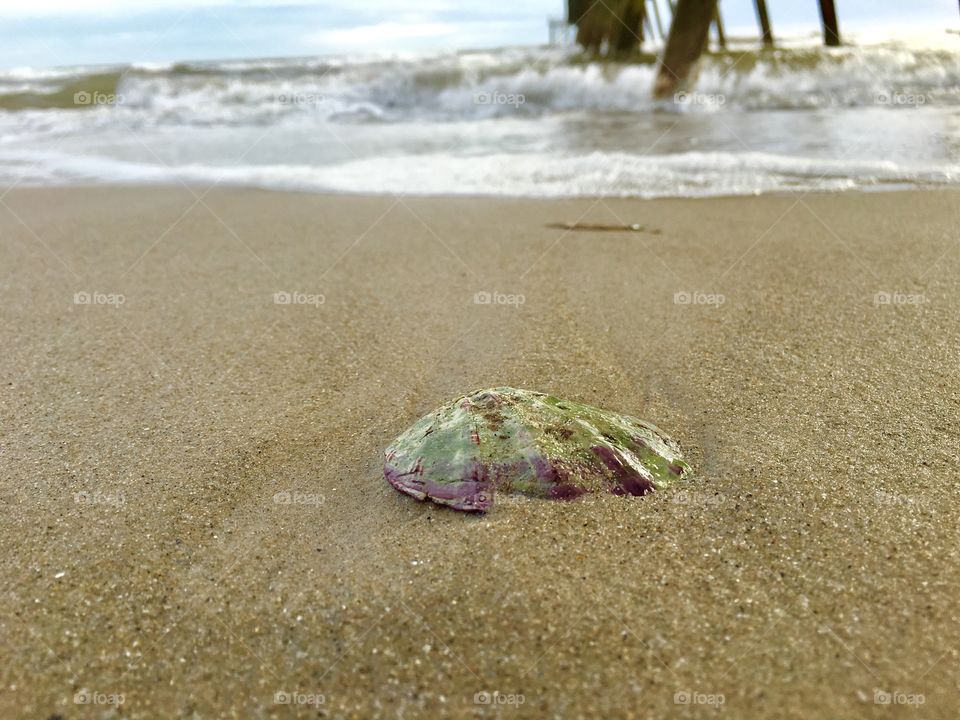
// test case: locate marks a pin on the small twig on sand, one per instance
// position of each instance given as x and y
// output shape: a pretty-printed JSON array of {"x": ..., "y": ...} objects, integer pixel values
[{"x": 590, "y": 227}]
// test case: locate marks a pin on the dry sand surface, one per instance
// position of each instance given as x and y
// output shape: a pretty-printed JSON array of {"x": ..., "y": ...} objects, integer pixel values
[{"x": 195, "y": 517}]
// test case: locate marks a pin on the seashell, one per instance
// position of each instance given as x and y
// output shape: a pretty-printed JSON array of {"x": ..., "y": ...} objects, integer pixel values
[{"x": 519, "y": 441}]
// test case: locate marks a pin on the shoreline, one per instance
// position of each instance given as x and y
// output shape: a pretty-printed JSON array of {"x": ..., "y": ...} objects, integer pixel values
[{"x": 881, "y": 188}]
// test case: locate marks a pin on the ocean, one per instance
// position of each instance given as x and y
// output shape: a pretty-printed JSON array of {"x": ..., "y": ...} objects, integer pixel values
[{"x": 537, "y": 122}]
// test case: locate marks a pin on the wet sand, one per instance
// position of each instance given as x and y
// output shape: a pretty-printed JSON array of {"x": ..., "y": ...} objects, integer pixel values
[{"x": 194, "y": 512}]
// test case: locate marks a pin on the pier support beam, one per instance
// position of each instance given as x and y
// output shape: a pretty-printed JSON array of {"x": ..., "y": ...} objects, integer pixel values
[
  {"x": 627, "y": 26},
  {"x": 688, "y": 37},
  {"x": 656, "y": 14},
  {"x": 764, "y": 19},
  {"x": 831, "y": 30},
  {"x": 616, "y": 25},
  {"x": 718, "y": 23}
]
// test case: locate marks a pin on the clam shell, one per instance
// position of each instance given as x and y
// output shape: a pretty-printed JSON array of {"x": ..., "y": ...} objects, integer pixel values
[{"x": 519, "y": 441}]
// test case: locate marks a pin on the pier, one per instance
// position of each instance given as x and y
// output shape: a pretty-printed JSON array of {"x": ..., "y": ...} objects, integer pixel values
[{"x": 619, "y": 28}]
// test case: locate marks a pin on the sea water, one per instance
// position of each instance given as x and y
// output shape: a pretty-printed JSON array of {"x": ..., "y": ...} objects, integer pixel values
[{"x": 539, "y": 122}]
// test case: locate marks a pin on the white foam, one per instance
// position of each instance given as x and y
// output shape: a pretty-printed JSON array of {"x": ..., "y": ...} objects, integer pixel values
[
  {"x": 806, "y": 118},
  {"x": 694, "y": 174}
]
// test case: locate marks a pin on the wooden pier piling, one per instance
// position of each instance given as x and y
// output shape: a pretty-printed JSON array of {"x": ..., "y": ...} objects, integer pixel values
[
  {"x": 831, "y": 30},
  {"x": 764, "y": 19},
  {"x": 627, "y": 26},
  {"x": 688, "y": 37},
  {"x": 615, "y": 25},
  {"x": 718, "y": 24},
  {"x": 656, "y": 15}
]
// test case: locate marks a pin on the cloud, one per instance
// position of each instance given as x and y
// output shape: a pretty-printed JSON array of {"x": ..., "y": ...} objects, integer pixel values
[
  {"x": 40, "y": 8},
  {"x": 78, "y": 7},
  {"x": 385, "y": 33}
]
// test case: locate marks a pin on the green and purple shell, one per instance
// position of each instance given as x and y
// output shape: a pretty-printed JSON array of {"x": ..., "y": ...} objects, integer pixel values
[{"x": 519, "y": 441}]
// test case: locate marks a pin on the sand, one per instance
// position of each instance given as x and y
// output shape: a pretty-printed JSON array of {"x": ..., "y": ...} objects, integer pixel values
[{"x": 195, "y": 518}]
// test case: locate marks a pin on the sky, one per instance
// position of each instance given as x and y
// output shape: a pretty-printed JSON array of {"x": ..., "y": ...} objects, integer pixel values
[{"x": 40, "y": 33}]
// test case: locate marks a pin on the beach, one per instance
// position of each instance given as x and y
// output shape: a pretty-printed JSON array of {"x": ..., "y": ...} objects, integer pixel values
[{"x": 199, "y": 383}]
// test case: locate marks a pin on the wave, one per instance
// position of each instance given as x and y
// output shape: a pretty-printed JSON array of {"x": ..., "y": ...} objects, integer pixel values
[
  {"x": 59, "y": 92},
  {"x": 471, "y": 85},
  {"x": 615, "y": 174},
  {"x": 514, "y": 121}
]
